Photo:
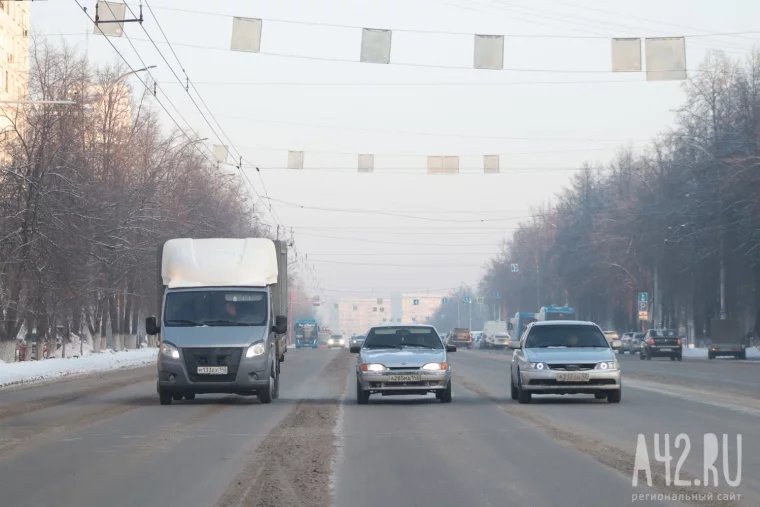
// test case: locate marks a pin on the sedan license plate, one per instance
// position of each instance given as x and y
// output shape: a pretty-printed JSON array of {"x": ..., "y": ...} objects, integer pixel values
[
  {"x": 212, "y": 370},
  {"x": 572, "y": 377},
  {"x": 665, "y": 350},
  {"x": 403, "y": 378}
]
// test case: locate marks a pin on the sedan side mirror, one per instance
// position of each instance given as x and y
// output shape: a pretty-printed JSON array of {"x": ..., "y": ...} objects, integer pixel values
[
  {"x": 616, "y": 344},
  {"x": 451, "y": 348},
  {"x": 280, "y": 325},
  {"x": 354, "y": 349},
  {"x": 151, "y": 327},
  {"x": 513, "y": 345}
]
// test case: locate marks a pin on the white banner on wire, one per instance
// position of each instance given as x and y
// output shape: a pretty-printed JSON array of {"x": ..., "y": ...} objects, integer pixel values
[
  {"x": 246, "y": 35},
  {"x": 295, "y": 160},
  {"x": 376, "y": 46},
  {"x": 366, "y": 163},
  {"x": 626, "y": 55},
  {"x": 110, "y": 11},
  {"x": 438, "y": 164},
  {"x": 489, "y": 52},
  {"x": 666, "y": 58},
  {"x": 490, "y": 164}
]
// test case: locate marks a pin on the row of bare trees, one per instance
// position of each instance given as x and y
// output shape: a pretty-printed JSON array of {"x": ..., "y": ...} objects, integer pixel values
[
  {"x": 680, "y": 221},
  {"x": 87, "y": 192}
]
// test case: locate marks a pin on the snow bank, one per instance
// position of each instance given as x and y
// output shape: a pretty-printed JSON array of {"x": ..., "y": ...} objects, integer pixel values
[
  {"x": 752, "y": 352},
  {"x": 32, "y": 371}
]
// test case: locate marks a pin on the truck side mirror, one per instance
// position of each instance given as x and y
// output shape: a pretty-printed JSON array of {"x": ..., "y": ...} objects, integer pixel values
[
  {"x": 151, "y": 327},
  {"x": 280, "y": 324}
]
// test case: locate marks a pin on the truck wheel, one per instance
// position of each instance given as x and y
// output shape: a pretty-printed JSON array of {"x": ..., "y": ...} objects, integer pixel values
[
  {"x": 679, "y": 357},
  {"x": 672, "y": 358},
  {"x": 743, "y": 354},
  {"x": 267, "y": 394},
  {"x": 164, "y": 398},
  {"x": 641, "y": 356},
  {"x": 276, "y": 389}
]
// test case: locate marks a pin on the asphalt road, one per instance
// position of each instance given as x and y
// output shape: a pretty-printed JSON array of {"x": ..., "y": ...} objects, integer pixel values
[{"x": 105, "y": 440}]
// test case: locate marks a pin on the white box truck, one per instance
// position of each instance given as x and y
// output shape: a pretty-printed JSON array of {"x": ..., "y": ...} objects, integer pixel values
[{"x": 222, "y": 317}]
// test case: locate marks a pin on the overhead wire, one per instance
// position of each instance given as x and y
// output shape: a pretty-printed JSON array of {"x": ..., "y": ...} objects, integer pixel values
[
  {"x": 188, "y": 83},
  {"x": 132, "y": 69}
]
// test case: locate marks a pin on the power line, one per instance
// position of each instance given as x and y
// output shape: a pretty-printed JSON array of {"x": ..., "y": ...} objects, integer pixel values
[
  {"x": 416, "y": 266},
  {"x": 423, "y": 170},
  {"x": 188, "y": 83},
  {"x": 146, "y": 85},
  {"x": 398, "y": 243},
  {"x": 436, "y": 32}
]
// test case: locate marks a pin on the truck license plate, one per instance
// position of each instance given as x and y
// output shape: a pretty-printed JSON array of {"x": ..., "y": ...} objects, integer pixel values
[
  {"x": 572, "y": 377},
  {"x": 403, "y": 378},
  {"x": 212, "y": 370}
]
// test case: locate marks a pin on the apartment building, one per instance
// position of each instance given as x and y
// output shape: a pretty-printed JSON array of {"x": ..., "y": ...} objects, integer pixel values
[
  {"x": 14, "y": 54},
  {"x": 357, "y": 315}
]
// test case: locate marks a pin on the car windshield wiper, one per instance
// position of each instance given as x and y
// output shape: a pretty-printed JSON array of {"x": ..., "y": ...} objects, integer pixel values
[
  {"x": 184, "y": 321},
  {"x": 420, "y": 345},
  {"x": 228, "y": 323},
  {"x": 382, "y": 346}
]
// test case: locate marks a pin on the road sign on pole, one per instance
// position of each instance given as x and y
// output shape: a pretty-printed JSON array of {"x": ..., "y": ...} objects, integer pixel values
[
  {"x": 496, "y": 295},
  {"x": 642, "y": 306},
  {"x": 515, "y": 268},
  {"x": 445, "y": 301},
  {"x": 643, "y": 297},
  {"x": 481, "y": 300},
  {"x": 416, "y": 302},
  {"x": 644, "y": 315},
  {"x": 467, "y": 300}
]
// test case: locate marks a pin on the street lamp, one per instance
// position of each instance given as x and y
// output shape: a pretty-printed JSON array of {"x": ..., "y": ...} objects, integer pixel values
[{"x": 134, "y": 72}]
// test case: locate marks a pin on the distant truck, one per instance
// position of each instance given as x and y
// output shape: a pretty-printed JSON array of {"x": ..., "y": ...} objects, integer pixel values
[
  {"x": 727, "y": 339},
  {"x": 460, "y": 337},
  {"x": 555, "y": 313},
  {"x": 306, "y": 333},
  {"x": 222, "y": 317},
  {"x": 519, "y": 323}
]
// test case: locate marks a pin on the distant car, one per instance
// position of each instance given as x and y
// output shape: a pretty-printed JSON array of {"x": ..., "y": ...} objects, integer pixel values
[
  {"x": 565, "y": 357},
  {"x": 403, "y": 360},
  {"x": 661, "y": 343},
  {"x": 636, "y": 342},
  {"x": 626, "y": 341},
  {"x": 500, "y": 341},
  {"x": 357, "y": 340},
  {"x": 336, "y": 340},
  {"x": 611, "y": 336}
]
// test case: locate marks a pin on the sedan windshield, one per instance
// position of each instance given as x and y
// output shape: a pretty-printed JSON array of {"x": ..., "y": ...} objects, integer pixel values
[
  {"x": 400, "y": 337},
  {"x": 215, "y": 308},
  {"x": 565, "y": 336}
]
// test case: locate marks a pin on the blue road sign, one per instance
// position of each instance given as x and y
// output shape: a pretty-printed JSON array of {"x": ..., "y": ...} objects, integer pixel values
[
  {"x": 515, "y": 268},
  {"x": 643, "y": 297},
  {"x": 416, "y": 302},
  {"x": 445, "y": 300},
  {"x": 467, "y": 300}
]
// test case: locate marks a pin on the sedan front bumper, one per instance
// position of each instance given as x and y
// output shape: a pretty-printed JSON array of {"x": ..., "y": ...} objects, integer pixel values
[
  {"x": 547, "y": 382},
  {"x": 397, "y": 381}
]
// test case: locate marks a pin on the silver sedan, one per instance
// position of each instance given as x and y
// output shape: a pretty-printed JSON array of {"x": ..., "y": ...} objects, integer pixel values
[
  {"x": 403, "y": 360},
  {"x": 565, "y": 357}
]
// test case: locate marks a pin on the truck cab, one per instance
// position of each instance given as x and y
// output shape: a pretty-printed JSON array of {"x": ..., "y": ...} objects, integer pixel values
[{"x": 222, "y": 317}]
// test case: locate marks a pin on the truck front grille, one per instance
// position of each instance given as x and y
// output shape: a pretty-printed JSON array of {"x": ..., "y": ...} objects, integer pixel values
[{"x": 212, "y": 356}]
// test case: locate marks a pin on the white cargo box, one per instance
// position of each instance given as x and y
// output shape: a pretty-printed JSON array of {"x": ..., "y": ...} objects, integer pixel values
[{"x": 219, "y": 262}]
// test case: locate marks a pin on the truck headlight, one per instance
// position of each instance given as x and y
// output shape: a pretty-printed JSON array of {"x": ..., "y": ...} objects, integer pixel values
[
  {"x": 255, "y": 350},
  {"x": 169, "y": 350}
]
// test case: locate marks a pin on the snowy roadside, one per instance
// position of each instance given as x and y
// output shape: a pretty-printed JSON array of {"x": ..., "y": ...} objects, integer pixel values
[
  {"x": 34, "y": 371},
  {"x": 752, "y": 353}
]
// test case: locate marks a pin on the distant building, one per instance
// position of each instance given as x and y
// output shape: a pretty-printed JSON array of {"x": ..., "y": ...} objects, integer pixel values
[
  {"x": 419, "y": 308},
  {"x": 14, "y": 54},
  {"x": 357, "y": 315}
]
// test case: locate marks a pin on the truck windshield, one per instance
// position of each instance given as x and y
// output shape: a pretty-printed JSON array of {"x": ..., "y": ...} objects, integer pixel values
[{"x": 215, "y": 308}]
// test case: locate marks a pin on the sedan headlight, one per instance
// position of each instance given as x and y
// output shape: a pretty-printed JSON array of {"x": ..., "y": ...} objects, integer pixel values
[
  {"x": 255, "y": 350},
  {"x": 537, "y": 366},
  {"x": 169, "y": 350},
  {"x": 342, "y": 341},
  {"x": 607, "y": 365},
  {"x": 435, "y": 366},
  {"x": 373, "y": 367}
]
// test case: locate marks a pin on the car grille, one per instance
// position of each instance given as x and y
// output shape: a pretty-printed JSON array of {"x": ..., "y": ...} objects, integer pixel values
[
  {"x": 573, "y": 366},
  {"x": 413, "y": 368},
  {"x": 591, "y": 382},
  {"x": 207, "y": 356}
]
